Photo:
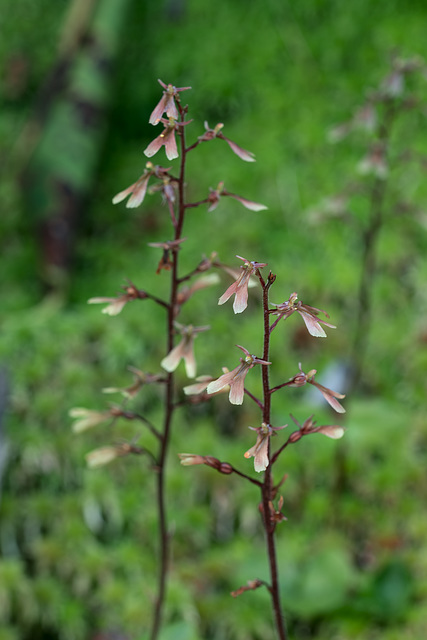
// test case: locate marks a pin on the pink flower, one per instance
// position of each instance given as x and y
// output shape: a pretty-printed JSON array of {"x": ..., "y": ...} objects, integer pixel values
[
  {"x": 140, "y": 379},
  {"x": 115, "y": 305},
  {"x": 209, "y": 134},
  {"x": 105, "y": 455},
  {"x": 239, "y": 288},
  {"x": 184, "y": 350},
  {"x": 333, "y": 431},
  {"x": 201, "y": 385},
  {"x": 260, "y": 449},
  {"x": 166, "y": 139},
  {"x": 215, "y": 194},
  {"x": 167, "y": 188},
  {"x": 330, "y": 396},
  {"x": 138, "y": 190},
  {"x": 189, "y": 459},
  {"x": 167, "y": 103},
  {"x": 308, "y": 314},
  {"x": 87, "y": 418},
  {"x": 168, "y": 247},
  {"x": 236, "y": 378}
]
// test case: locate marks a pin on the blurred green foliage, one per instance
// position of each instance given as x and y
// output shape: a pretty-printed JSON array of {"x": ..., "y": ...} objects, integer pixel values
[{"x": 78, "y": 547}]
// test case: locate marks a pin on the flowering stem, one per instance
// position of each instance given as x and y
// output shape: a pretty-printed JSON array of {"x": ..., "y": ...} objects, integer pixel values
[
  {"x": 267, "y": 486},
  {"x": 170, "y": 405}
]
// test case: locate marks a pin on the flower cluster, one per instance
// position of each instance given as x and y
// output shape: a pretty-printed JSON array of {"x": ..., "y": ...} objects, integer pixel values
[
  {"x": 239, "y": 288},
  {"x": 235, "y": 379},
  {"x": 184, "y": 350},
  {"x": 309, "y": 315},
  {"x": 330, "y": 396},
  {"x": 260, "y": 449},
  {"x": 115, "y": 305}
]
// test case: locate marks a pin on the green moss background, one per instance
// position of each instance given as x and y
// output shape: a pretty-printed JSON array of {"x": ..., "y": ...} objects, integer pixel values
[{"x": 77, "y": 546}]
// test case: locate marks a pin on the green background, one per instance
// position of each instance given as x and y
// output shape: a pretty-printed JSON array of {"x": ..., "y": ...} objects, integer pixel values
[{"x": 77, "y": 546}]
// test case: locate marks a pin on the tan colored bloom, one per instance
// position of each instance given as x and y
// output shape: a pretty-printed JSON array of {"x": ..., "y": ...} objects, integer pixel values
[
  {"x": 201, "y": 385},
  {"x": 209, "y": 134},
  {"x": 167, "y": 103},
  {"x": 168, "y": 247},
  {"x": 165, "y": 139},
  {"x": 115, "y": 305},
  {"x": 184, "y": 350},
  {"x": 138, "y": 190},
  {"x": 240, "y": 287},
  {"x": 140, "y": 379},
  {"x": 330, "y": 396},
  {"x": 105, "y": 455},
  {"x": 309, "y": 315},
  {"x": 236, "y": 378},
  {"x": 260, "y": 449},
  {"x": 189, "y": 459},
  {"x": 333, "y": 431},
  {"x": 215, "y": 195},
  {"x": 87, "y": 418}
]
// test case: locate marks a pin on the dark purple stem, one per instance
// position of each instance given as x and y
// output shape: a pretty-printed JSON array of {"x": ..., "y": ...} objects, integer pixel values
[
  {"x": 170, "y": 405},
  {"x": 267, "y": 486}
]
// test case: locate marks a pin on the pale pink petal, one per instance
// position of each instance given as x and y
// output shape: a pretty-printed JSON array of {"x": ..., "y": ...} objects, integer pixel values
[
  {"x": 214, "y": 204},
  {"x": 261, "y": 460},
  {"x": 171, "y": 110},
  {"x": 312, "y": 325},
  {"x": 197, "y": 387},
  {"x": 260, "y": 453},
  {"x": 245, "y": 155},
  {"x": 331, "y": 397},
  {"x": 188, "y": 356},
  {"x": 249, "y": 204},
  {"x": 138, "y": 193},
  {"x": 222, "y": 381},
  {"x": 237, "y": 387},
  {"x": 172, "y": 360},
  {"x": 241, "y": 300},
  {"x": 115, "y": 305},
  {"x": 332, "y": 431},
  {"x": 154, "y": 146},
  {"x": 87, "y": 418},
  {"x": 102, "y": 456},
  {"x": 123, "y": 194},
  {"x": 232, "y": 289},
  {"x": 188, "y": 459},
  {"x": 170, "y": 145},
  {"x": 159, "y": 110}
]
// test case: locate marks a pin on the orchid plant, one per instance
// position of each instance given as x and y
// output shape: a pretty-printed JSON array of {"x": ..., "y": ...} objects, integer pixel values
[{"x": 180, "y": 342}]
